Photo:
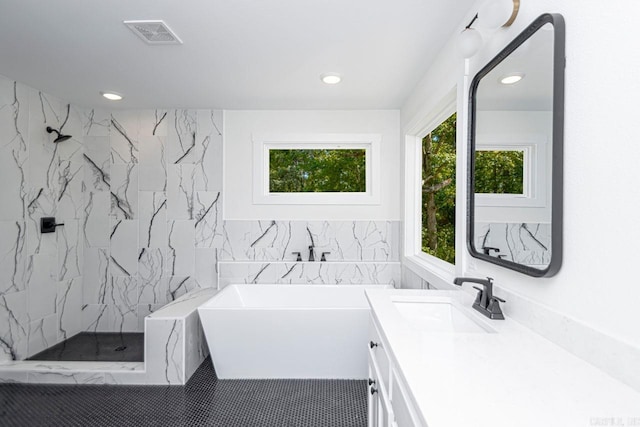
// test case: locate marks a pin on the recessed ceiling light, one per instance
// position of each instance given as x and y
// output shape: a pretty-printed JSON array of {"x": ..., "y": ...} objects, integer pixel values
[
  {"x": 331, "y": 78},
  {"x": 111, "y": 96},
  {"x": 512, "y": 78}
]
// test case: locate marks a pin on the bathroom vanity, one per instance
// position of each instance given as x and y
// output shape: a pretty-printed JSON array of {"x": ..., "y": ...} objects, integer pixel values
[{"x": 433, "y": 361}]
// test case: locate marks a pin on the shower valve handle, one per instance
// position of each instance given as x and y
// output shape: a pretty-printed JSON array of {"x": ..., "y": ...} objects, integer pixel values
[{"x": 48, "y": 224}]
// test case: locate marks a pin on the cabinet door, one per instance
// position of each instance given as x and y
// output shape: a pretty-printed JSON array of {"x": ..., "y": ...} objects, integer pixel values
[
  {"x": 379, "y": 353},
  {"x": 380, "y": 413},
  {"x": 372, "y": 400},
  {"x": 404, "y": 412}
]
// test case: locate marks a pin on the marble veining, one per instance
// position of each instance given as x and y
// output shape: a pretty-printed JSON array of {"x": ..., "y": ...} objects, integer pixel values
[
  {"x": 309, "y": 273},
  {"x": 124, "y": 149},
  {"x": 345, "y": 240},
  {"x": 523, "y": 243}
]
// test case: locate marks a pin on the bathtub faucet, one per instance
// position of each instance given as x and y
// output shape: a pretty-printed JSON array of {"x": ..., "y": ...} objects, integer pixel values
[{"x": 312, "y": 256}]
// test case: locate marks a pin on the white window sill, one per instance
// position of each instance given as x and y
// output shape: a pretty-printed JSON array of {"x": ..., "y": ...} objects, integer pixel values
[{"x": 438, "y": 273}]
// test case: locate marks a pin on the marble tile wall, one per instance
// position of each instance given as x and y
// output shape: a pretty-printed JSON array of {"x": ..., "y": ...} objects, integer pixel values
[
  {"x": 523, "y": 243},
  {"x": 331, "y": 273},
  {"x": 40, "y": 274},
  {"x": 276, "y": 240},
  {"x": 263, "y": 252},
  {"x": 152, "y": 211}
]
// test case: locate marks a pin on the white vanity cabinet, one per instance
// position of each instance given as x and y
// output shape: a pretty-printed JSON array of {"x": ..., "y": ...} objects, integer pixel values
[{"x": 389, "y": 398}]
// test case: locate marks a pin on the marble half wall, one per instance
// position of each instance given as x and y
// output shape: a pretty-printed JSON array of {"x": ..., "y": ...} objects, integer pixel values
[
  {"x": 310, "y": 273},
  {"x": 357, "y": 252},
  {"x": 343, "y": 240}
]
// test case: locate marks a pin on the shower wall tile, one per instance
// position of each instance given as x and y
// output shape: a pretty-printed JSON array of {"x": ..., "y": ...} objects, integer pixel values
[
  {"x": 208, "y": 148},
  {"x": 153, "y": 122},
  {"x": 123, "y": 137},
  {"x": 42, "y": 289},
  {"x": 13, "y": 260},
  {"x": 124, "y": 191},
  {"x": 123, "y": 250},
  {"x": 181, "y": 254},
  {"x": 206, "y": 273},
  {"x": 153, "y": 220},
  {"x": 96, "y": 219},
  {"x": 95, "y": 318},
  {"x": 70, "y": 249},
  {"x": 97, "y": 170},
  {"x": 122, "y": 309},
  {"x": 152, "y": 282},
  {"x": 96, "y": 275},
  {"x": 70, "y": 190},
  {"x": 40, "y": 204},
  {"x": 44, "y": 156},
  {"x": 153, "y": 167},
  {"x": 14, "y": 128},
  {"x": 208, "y": 219},
  {"x": 14, "y": 328},
  {"x": 180, "y": 191},
  {"x": 43, "y": 333},
  {"x": 96, "y": 122},
  {"x": 181, "y": 137},
  {"x": 69, "y": 308}
]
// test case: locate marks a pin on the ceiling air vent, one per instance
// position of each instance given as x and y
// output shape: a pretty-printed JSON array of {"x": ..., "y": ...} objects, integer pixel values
[{"x": 153, "y": 32}]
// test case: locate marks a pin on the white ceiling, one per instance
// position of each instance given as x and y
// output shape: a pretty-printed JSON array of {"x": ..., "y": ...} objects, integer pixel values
[
  {"x": 237, "y": 54},
  {"x": 533, "y": 58}
]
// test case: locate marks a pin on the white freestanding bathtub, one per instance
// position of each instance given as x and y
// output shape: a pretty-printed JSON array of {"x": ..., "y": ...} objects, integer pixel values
[{"x": 288, "y": 331}]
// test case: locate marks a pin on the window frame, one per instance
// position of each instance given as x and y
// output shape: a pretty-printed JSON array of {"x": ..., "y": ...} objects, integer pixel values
[
  {"x": 535, "y": 148},
  {"x": 429, "y": 267},
  {"x": 262, "y": 143}
]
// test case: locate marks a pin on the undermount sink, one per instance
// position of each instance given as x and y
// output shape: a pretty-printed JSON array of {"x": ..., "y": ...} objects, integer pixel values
[{"x": 437, "y": 315}]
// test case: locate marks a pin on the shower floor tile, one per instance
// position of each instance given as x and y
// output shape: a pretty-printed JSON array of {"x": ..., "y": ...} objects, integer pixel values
[
  {"x": 97, "y": 346},
  {"x": 203, "y": 401}
]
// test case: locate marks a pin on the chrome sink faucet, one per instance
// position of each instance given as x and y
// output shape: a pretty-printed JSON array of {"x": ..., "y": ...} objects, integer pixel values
[{"x": 486, "y": 303}]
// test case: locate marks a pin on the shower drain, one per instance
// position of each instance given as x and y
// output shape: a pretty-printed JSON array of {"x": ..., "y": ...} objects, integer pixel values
[{"x": 121, "y": 348}]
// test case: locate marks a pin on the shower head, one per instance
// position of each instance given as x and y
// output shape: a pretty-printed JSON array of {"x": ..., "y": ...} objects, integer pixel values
[{"x": 60, "y": 137}]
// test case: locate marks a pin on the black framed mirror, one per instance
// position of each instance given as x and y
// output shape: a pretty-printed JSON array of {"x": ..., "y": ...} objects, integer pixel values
[{"x": 516, "y": 122}]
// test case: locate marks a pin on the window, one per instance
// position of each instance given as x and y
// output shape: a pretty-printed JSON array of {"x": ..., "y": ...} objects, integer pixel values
[
  {"x": 316, "y": 169},
  {"x": 510, "y": 171},
  {"x": 439, "y": 191},
  {"x": 499, "y": 171}
]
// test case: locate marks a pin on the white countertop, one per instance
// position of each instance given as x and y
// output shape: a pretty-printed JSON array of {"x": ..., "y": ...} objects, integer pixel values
[{"x": 512, "y": 378}]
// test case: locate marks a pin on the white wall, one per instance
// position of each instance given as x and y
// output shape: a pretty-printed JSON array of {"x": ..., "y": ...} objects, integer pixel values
[
  {"x": 596, "y": 285},
  {"x": 239, "y": 127}
]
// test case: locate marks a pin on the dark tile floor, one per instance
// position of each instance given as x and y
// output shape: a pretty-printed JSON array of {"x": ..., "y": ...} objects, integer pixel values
[
  {"x": 100, "y": 346},
  {"x": 203, "y": 401}
]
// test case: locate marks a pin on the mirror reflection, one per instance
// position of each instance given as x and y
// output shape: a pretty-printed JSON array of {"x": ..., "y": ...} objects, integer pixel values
[{"x": 512, "y": 155}]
